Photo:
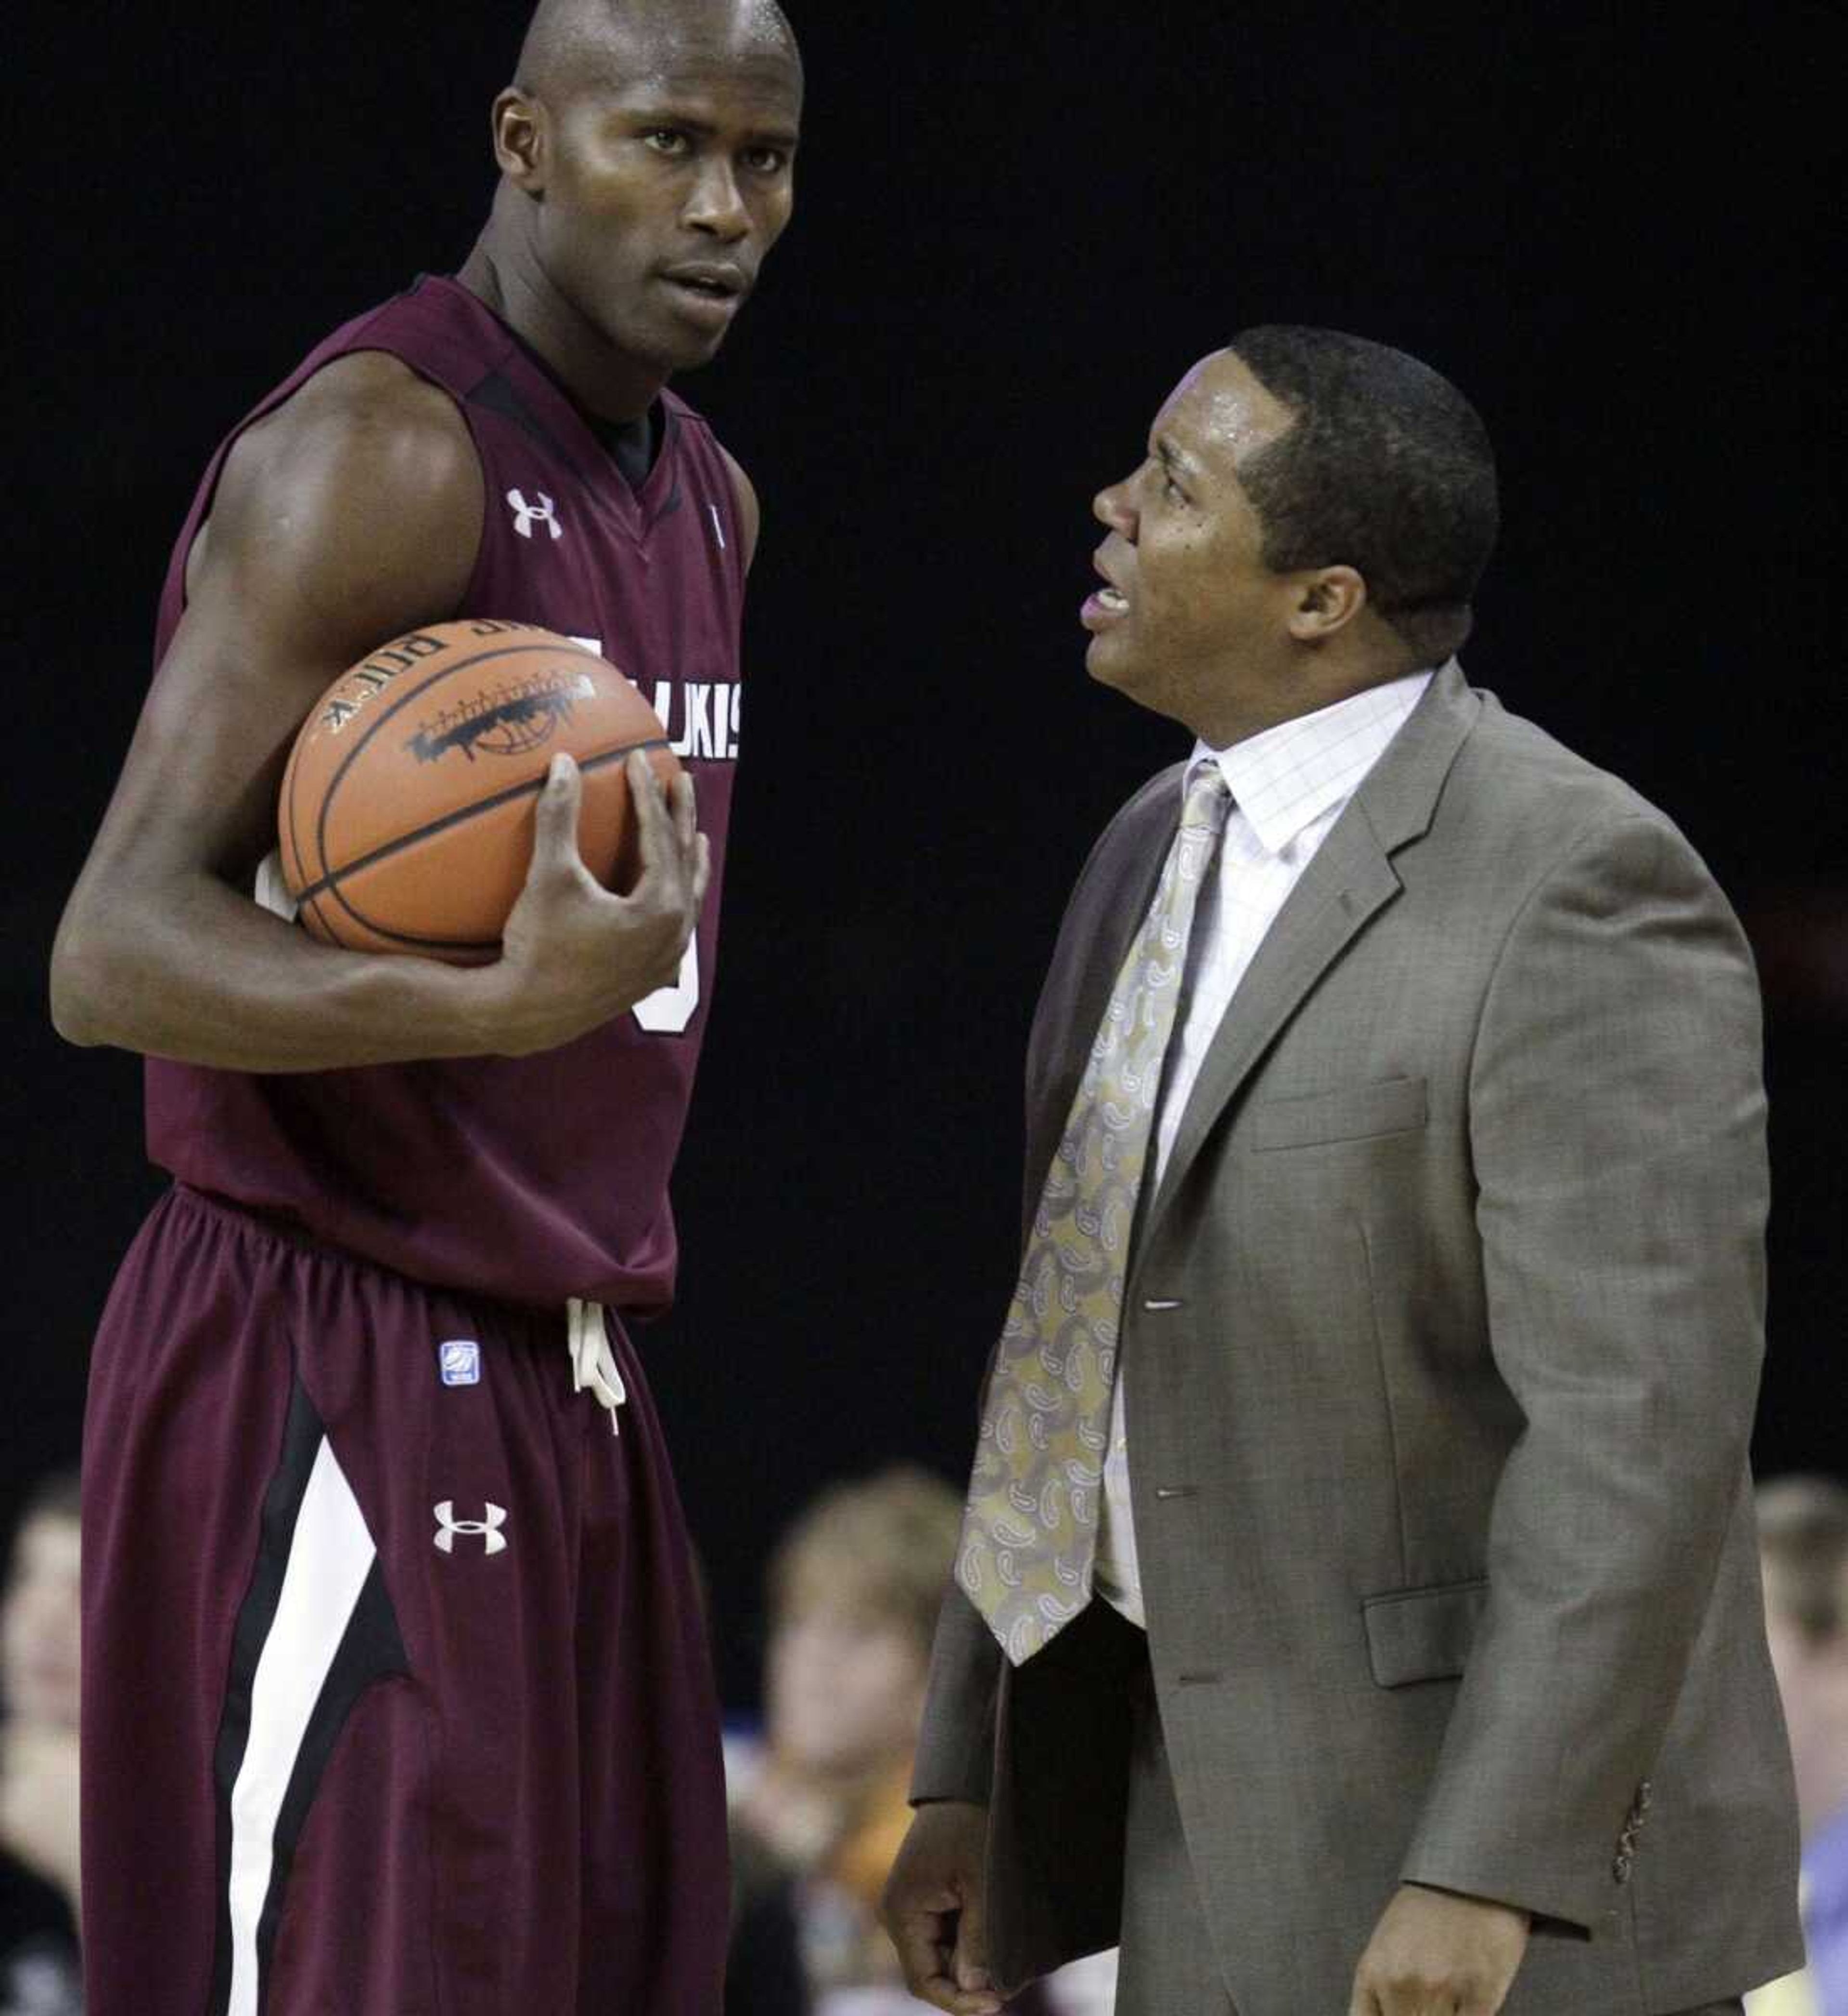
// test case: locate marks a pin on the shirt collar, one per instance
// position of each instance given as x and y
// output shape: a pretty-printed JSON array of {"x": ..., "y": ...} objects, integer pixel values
[{"x": 1287, "y": 777}]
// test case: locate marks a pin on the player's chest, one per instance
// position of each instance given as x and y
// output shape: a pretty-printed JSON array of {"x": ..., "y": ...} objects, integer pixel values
[{"x": 662, "y": 608}]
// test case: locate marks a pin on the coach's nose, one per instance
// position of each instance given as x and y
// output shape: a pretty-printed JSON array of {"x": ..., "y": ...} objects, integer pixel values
[{"x": 1112, "y": 507}]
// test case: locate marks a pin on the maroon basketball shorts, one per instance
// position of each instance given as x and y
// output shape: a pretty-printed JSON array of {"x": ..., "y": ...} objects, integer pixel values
[{"x": 397, "y": 1701}]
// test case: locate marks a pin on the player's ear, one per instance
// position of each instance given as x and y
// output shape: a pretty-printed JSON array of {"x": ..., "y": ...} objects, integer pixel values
[
  {"x": 1324, "y": 602},
  {"x": 520, "y": 140}
]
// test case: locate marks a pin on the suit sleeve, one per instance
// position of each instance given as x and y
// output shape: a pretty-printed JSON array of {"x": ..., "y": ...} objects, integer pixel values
[
  {"x": 956, "y": 1745},
  {"x": 1617, "y": 1125}
]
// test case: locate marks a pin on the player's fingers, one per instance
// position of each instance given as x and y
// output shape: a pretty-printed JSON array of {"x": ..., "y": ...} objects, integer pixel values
[
  {"x": 684, "y": 800},
  {"x": 654, "y": 829},
  {"x": 555, "y": 819}
]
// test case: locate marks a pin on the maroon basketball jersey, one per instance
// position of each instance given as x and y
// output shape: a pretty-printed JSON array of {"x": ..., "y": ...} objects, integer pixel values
[{"x": 539, "y": 1177}]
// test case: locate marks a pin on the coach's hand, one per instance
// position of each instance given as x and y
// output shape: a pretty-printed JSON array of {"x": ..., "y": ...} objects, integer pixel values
[
  {"x": 933, "y": 1909},
  {"x": 1434, "y": 1954},
  {"x": 574, "y": 955}
]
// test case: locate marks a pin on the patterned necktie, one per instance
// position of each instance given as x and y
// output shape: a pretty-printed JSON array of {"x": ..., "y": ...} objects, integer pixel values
[{"x": 1029, "y": 1536}]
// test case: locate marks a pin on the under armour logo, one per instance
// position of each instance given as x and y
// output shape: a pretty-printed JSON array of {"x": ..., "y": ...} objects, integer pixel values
[
  {"x": 526, "y": 516},
  {"x": 449, "y": 1526}
]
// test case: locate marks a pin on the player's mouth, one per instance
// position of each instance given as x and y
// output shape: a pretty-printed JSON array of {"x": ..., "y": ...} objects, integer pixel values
[{"x": 708, "y": 292}]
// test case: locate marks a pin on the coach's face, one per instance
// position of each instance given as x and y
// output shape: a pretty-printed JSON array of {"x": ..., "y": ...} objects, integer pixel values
[
  {"x": 1191, "y": 622},
  {"x": 664, "y": 176}
]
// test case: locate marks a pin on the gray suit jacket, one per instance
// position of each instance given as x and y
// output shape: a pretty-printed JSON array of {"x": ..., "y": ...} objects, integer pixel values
[{"x": 1441, "y": 1342}]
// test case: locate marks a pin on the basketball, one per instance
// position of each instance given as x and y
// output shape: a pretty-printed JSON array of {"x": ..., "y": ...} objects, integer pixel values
[{"x": 406, "y": 816}]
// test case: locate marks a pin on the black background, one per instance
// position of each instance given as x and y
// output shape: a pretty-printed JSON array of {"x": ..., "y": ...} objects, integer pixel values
[{"x": 1616, "y": 228}]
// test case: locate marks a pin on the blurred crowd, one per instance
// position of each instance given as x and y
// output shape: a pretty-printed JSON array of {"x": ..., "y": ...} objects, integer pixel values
[
  {"x": 818, "y": 1793},
  {"x": 1803, "y": 1525},
  {"x": 38, "y": 1675},
  {"x": 818, "y": 1805}
]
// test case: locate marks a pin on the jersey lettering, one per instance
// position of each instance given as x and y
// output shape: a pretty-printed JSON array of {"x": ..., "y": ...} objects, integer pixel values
[
  {"x": 705, "y": 722},
  {"x": 668, "y": 1010}
]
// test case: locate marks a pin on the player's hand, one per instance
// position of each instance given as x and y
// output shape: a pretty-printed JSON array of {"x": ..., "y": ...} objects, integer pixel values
[
  {"x": 1433, "y": 1954},
  {"x": 574, "y": 955},
  {"x": 933, "y": 1909}
]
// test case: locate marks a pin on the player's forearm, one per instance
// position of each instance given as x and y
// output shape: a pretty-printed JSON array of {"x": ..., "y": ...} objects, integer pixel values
[{"x": 205, "y": 976}]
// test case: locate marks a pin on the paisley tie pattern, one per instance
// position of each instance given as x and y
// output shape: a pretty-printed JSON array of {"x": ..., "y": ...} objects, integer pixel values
[{"x": 1030, "y": 1529}]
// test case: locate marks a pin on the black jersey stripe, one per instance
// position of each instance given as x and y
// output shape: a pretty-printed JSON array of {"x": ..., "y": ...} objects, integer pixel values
[
  {"x": 372, "y": 1650},
  {"x": 369, "y": 1647},
  {"x": 302, "y": 1436}
]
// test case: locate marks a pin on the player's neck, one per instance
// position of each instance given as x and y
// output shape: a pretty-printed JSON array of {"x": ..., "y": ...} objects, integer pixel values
[{"x": 602, "y": 379}]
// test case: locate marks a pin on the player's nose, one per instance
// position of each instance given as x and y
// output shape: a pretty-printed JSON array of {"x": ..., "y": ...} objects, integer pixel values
[{"x": 715, "y": 203}]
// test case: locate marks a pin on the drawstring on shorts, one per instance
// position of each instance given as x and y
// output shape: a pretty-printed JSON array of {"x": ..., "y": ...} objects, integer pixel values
[{"x": 593, "y": 1363}]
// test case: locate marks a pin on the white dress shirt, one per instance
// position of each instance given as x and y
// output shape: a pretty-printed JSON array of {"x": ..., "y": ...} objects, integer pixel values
[{"x": 1289, "y": 786}]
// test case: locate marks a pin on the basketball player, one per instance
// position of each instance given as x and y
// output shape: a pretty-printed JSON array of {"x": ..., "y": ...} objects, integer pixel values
[{"x": 397, "y": 1698}]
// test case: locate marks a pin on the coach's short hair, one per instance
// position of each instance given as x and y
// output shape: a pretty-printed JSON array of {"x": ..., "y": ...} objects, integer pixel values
[
  {"x": 1388, "y": 469},
  {"x": 1803, "y": 1538}
]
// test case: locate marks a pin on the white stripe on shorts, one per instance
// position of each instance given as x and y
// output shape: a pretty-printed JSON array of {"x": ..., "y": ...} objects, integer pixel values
[{"x": 330, "y": 1557}]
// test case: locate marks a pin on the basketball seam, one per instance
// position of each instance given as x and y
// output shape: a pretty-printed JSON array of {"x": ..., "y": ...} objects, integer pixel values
[
  {"x": 303, "y": 886},
  {"x": 328, "y": 885},
  {"x": 400, "y": 702}
]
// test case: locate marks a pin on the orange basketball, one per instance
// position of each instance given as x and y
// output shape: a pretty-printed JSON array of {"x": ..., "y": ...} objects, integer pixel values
[{"x": 406, "y": 819}]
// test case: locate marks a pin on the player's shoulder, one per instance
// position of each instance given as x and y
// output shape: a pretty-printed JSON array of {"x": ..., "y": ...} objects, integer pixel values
[
  {"x": 363, "y": 489},
  {"x": 366, "y": 443},
  {"x": 367, "y": 406}
]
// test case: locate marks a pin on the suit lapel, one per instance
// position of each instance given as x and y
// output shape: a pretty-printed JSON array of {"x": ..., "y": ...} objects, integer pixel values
[
  {"x": 1350, "y": 881},
  {"x": 1108, "y": 911}
]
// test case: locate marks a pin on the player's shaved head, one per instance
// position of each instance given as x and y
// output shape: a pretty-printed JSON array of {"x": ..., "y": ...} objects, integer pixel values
[
  {"x": 646, "y": 150},
  {"x": 571, "y": 45}
]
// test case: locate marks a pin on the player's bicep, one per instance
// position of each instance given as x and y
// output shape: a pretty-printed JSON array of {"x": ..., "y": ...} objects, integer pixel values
[{"x": 331, "y": 531}]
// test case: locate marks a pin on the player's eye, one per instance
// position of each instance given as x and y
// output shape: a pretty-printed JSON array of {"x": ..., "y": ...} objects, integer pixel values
[
  {"x": 669, "y": 140},
  {"x": 766, "y": 160}
]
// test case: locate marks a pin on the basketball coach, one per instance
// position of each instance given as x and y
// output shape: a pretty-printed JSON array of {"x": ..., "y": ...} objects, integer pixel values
[{"x": 1357, "y": 1606}]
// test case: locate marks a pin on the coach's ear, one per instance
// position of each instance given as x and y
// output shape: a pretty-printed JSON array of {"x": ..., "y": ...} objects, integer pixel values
[
  {"x": 1323, "y": 601},
  {"x": 520, "y": 140}
]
